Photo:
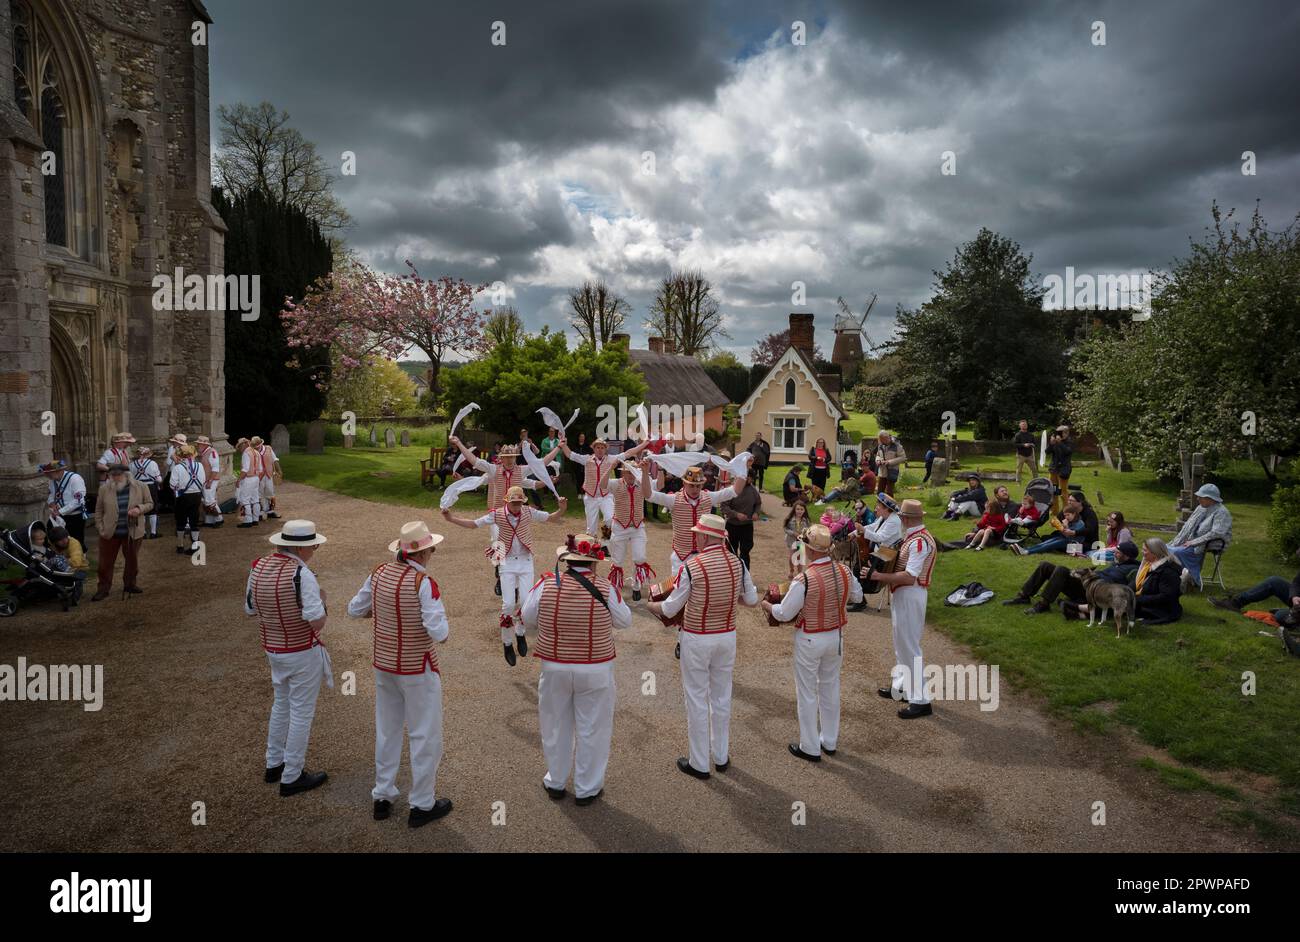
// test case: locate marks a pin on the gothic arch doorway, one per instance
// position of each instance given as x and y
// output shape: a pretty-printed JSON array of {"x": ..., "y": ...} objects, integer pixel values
[{"x": 70, "y": 401}]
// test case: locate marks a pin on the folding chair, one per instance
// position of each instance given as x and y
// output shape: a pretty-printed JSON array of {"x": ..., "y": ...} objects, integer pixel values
[{"x": 1214, "y": 548}]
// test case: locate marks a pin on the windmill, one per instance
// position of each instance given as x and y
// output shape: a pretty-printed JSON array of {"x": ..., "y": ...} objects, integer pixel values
[{"x": 849, "y": 338}]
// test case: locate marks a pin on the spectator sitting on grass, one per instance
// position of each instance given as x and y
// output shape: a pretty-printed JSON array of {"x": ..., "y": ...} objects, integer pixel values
[
  {"x": 1210, "y": 521},
  {"x": 967, "y": 503},
  {"x": 847, "y": 489},
  {"x": 792, "y": 488},
  {"x": 1069, "y": 529},
  {"x": 1158, "y": 584},
  {"x": 1288, "y": 593},
  {"x": 1116, "y": 533},
  {"x": 990, "y": 527},
  {"x": 1053, "y": 580}
]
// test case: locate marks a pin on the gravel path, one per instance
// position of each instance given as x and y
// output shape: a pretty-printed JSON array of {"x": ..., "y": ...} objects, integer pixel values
[{"x": 188, "y": 694}]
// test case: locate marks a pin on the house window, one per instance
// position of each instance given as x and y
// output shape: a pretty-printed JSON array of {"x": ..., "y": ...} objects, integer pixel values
[
  {"x": 791, "y": 389},
  {"x": 788, "y": 432}
]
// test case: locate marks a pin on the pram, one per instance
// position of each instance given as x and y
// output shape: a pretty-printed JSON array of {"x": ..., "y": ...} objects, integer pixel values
[
  {"x": 1041, "y": 490},
  {"x": 39, "y": 581}
]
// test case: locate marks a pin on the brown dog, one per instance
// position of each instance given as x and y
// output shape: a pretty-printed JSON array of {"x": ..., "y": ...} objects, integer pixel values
[{"x": 1107, "y": 598}]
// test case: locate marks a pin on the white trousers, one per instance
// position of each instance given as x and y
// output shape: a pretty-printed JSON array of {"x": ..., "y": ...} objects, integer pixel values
[
  {"x": 249, "y": 500},
  {"x": 516, "y": 579},
  {"x": 907, "y": 615},
  {"x": 296, "y": 680},
  {"x": 623, "y": 539},
  {"x": 266, "y": 493},
  {"x": 707, "y": 663},
  {"x": 210, "y": 500},
  {"x": 595, "y": 507},
  {"x": 817, "y": 659},
  {"x": 575, "y": 709},
  {"x": 416, "y": 701}
]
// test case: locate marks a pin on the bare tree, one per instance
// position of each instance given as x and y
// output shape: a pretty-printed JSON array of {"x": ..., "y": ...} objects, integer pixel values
[
  {"x": 686, "y": 314},
  {"x": 260, "y": 151},
  {"x": 596, "y": 312}
]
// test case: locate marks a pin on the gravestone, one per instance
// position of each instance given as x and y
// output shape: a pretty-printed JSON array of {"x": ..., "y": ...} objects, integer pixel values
[
  {"x": 390, "y": 440},
  {"x": 373, "y": 441},
  {"x": 316, "y": 438},
  {"x": 280, "y": 440},
  {"x": 349, "y": 440},
  {"x": 406, "y": 438},
  {"x": 939, "y": 472}
]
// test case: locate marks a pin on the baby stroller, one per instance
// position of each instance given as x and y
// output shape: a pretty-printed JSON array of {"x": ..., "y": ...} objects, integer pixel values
[
  {"x": 1040, "y": 489},
  {"x": 39, "y": 581}
]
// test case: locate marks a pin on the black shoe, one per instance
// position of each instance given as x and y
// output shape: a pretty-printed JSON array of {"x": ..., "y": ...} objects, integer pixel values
[
  {"x": 827, "y": 752},
  {"x": 583, "y": 802},
  {"x": 273, "y": 773},
  {"x": 419, "y": 818},
  {"x": 721, "y": 766},
  {"x": 1070, "y": 610},
  {"x": 133, "y": 589},
  {"x": 636, "y": 595},
  {"x": 303, "y": 783},
  {"x": 1037, "y": 608},
  {"x": 216, "y": 526},
  {"x": 684, "y": 765},
  {"x": 180, "y": 550},
  {"x": 888, "y": 694},
  {"x": 913, "y": 710},
  {"x": 677, "y": 651},
  {"x": 383, "y": 807},
  {"x": 800, "y": 754},
  {"x": 1226, "y": 601},
  {"x": 245, "y": 526},
  {"x": 556, "y": 793},
  {"x": 856, "y": 607},
  {"x": 497, "y": 590},
  {"x": 1016, "y": 600},
  {"x": 521, "y": 645},
  {"x": 510, "y": 654},
  {"x": 273, "y": 515}
]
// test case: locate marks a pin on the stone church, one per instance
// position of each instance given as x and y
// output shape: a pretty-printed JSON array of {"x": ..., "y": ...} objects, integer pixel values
[{"x": 104, "y": 183}]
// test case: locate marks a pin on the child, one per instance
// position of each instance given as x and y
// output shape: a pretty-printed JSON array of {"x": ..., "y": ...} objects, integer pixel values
[
  {"x": 796, "y": 522},
  {"x": 1027, "y": 512}
]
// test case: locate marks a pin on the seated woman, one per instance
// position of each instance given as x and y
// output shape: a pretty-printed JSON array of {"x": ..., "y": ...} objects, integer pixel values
[
  {"x": 1158, "y": 584},
  {"x": 1116, "y": 533},
  {"x": 845, "y": 490},
  {"x": 1069, "y": 529},
  {"x": 967, "y": 503},
  {"x": 1210, "y": 521},
  {"x": 792, "y": 488}
]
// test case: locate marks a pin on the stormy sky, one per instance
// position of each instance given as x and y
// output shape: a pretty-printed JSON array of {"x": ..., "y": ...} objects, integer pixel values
[{"x": 775, "y": 162}]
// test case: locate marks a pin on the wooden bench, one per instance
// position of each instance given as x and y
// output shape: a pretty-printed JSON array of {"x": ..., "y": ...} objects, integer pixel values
[{"x": 429, "y": 467}]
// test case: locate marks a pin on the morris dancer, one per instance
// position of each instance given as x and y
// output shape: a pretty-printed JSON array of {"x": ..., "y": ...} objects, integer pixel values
[
  {"x": 145, "y": 470},
  {"x": 819, "y": 597},
  {"x": 168, "y": 498},
  {"x": 573, "y": 613},
  {"x": 596, "y": 468},
  {"x": 66, "y": 505},
  {"x": 211, "y": 462},
  {"x": 709, "y": 585},
  {"x": 631, "y": 491},
  {"x": 512, "y": 529},
  {"x": 407, "y": 617},
  {"x": 909, "y": 587},
  {"x": 271, "y": 470},
  {"x": 246, "y": 490},
  {"x": 117, "y": 452},
  {"x": 283, "y": 594},
  {"x": 186, "y": 481}
]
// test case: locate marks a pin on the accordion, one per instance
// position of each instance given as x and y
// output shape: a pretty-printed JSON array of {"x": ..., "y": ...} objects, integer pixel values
[
  {"x": 660, "y": 591},
  {"x": 881, "y": 559},
  {"x": 775, "y": 593}
]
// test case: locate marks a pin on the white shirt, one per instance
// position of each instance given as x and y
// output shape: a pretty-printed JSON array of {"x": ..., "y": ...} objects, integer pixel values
[
  {"x": 667, "y": 500},
  {"x": 113, "y": 456},
  {"x": 74, "y": 493},
  {"x": 792, "y": 604},
  {"x": 886, "y": 531},
  {"x": 432, "y": 613},
  {"x": 246, "y": 462},
  {"x": 515, "y": 550},
  {"x": 682, "y": 589},
  {"x": 179, "y": 479},
  {"x": 618, "y": 610},
  {"x": 312, "y": 606},
  {"x": 492, "y": 470},
  {"x": 145, "y": 470}
]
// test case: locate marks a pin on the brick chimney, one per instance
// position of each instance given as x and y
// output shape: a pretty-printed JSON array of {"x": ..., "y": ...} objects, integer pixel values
[
  {"x": 801, "y": 333},
  {"x": 656, "y": 344},
  {"x": 670, "y": 346},
  {"x": 620, "y": 340}
]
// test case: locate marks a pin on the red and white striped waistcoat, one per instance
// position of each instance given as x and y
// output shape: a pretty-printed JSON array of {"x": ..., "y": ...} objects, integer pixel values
[
  {"x": 715, "y": 583},
  {"x": 912, "y": 543},
  {"x": 254, "y": 462},
  {"x": 278, "y": 603},
  {"x": 685, "y": 516},
  {"x": 511, "y": 528},
  {"x": 572, "y": 627},
  {"x": 263, "y": 465},
  {"x": 402, "y": 646},
  {"x": 506, "y": 477},
  {"x": 826, "y": 593},
  {"x": 629, "y": 505},
  {"x": 595, "y": 478},
  {"x": 212, "y": 462},
  {"x": 121, "y": 455}
]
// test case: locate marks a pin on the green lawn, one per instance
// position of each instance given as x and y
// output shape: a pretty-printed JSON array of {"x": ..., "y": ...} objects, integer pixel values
[{"x": 862, "y": 425}]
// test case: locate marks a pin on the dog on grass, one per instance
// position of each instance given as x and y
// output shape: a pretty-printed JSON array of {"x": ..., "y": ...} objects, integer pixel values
[{"x": 1108, "y": 598}]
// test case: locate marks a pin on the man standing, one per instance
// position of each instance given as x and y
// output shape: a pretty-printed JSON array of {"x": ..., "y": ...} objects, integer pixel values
[
  {"x": 211, "y": 462},
  {"x": 762, "y": 453},
  {"x": 688, "y": 506},
  {"x": 283, "y": 594},
  {"x": 1026, "y": 450},
  {"x": 596, "y": 469},
  {"x": 117, "y": 452},
  {"x": 573, "y": 614},
  {"x": 627, "y": 532},
  {"x": 145, "y": 470},
  {"x": 740, "y": 513},
  {"x": 708, "y": 587},
  {"x": 407, "y": 617},
  {"x": 247, "y": 492},
  {"x": 270, "y": 464},
  {"x": 819, "y": 596},
  {"x": 186, "y": 483},
  {"x": 909, "y": 588},
  {"x": 890, "y": 457},
  {"x": 513, "y": 529},
  {"x": 119, "y": 520},
  {"x": 66, "y": 506}
]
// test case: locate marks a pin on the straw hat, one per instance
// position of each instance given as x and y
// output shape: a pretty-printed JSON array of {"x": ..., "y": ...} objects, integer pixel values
[
  {"x": 297, "y": 533},
  {"x": 711, "y": 525},
  {"x": 911, "y": 508},
  {"x": 415, "y": 537},
  {"x": 256, "y": 440},
  {"x": 242, "y": 444},
  {"x": 600, "y": 443},
  {"x": 515, "y": 493},
  {"x": 51, "y": 466},
  {"x": 123, "y": 437},
  {"x": 582, "y": 548},
  {"x": 144, "y": 451},
  {"x": 693, "y": 475},
  {"x": 178, "y": 439},
  {"x": 509, "y": 450},
  {"x": 817, "y": 538},
  {"x": 202, "y": 440}
]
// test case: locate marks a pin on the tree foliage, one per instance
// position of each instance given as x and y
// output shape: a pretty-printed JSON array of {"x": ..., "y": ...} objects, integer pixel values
[
  {"x": 771, "y": 348},
  {"x": 377, "y": 387},
  {"x": 511, "y": 382},
  {"x": 596, "y": 312},
  {"x": 504, "y": 326},
  {"x": 1216, "y": 366},
  {"x": 686, "y": 313},
  {"x": 982, "y": 347}
]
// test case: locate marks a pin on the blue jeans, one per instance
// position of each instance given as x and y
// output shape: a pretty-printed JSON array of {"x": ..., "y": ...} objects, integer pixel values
[
  {"x": 1191, "y": 560},
  {"x": 1273, "y": 587},
  {"x": 1053, "y": 544}
]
